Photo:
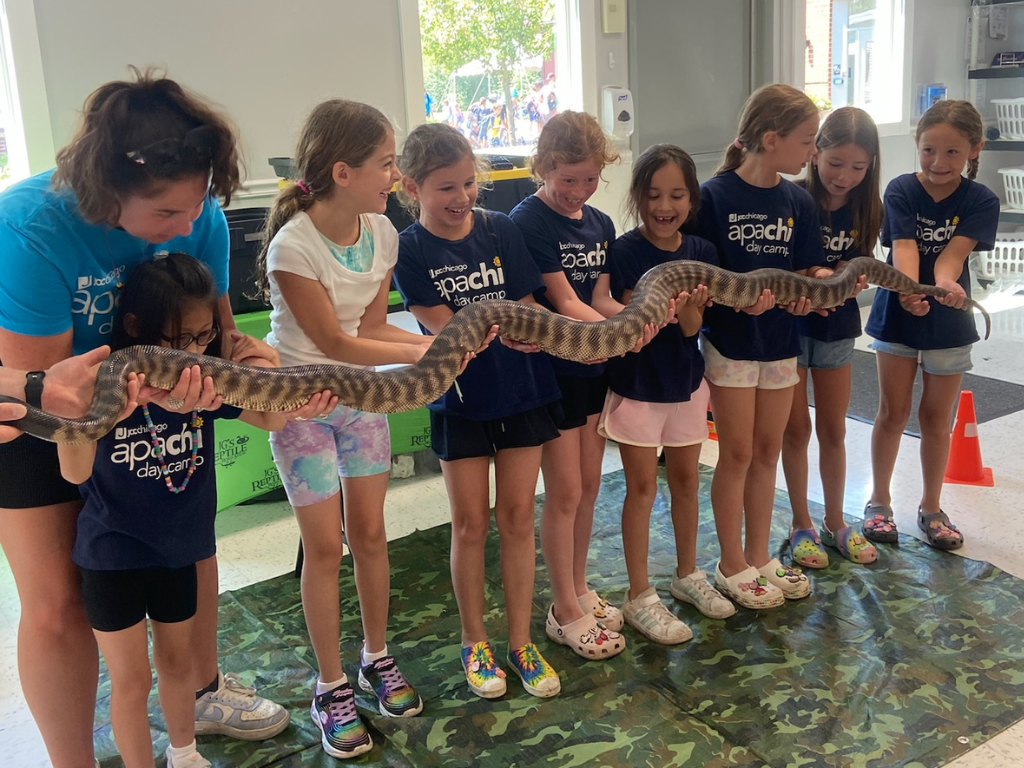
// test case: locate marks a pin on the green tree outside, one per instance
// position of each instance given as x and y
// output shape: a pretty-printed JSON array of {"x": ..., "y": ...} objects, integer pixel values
[{"x": 496, "y": 33}]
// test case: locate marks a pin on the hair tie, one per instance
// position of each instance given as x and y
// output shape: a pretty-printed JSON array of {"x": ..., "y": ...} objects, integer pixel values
[
  {"x": 302, "y": 186},
  {"x": 737, "y": 143}
]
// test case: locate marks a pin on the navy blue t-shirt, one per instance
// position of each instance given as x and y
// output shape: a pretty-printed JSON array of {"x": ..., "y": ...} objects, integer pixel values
[
  {"x": 911, "y": 214},
  {"x": 670, "y": 367},
  {"x": 491, "y": 262},
  {"x": 839, "y": 240},
  {"x": 753, "y": 228},
  {"x": 130, "y": 519},
  {"x": 576, "y": 247}
]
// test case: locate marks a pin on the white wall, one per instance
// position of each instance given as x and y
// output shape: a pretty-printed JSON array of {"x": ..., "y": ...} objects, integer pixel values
[{"x": 265, "y": 62}]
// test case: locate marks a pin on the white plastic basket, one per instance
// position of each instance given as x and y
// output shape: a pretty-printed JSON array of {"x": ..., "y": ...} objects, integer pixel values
[
  {"x": 1013, "y": 183},
  {"x": 1010, "y": 118},
  {"x": 1006, "y": 259}
]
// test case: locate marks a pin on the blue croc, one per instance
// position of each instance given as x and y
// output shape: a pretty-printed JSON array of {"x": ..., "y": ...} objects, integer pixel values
[
  {"x": 806, "y": 547},
  {"x": 850, "y": 544}
]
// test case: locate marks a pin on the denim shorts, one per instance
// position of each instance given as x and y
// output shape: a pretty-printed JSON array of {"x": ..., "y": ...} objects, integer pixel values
[
  {"x": 825, "y": 355},
  {"x": 939, "y": 362}
]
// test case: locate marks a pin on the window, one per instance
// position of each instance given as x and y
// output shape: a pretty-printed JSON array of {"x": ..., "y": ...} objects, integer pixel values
[{"x": 855, "y": 55}]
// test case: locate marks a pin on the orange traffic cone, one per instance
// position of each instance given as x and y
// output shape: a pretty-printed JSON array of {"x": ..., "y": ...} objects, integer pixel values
[
  {"x": 964, "y": 465},
  {"x": 712, "y": 432}
]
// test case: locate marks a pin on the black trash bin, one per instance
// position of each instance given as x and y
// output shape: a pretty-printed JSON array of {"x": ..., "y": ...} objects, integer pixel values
[{"x": 245, "y": 231}]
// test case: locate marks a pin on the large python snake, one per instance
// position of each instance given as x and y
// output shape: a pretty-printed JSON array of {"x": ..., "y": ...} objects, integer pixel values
[{"x": 284, "y": 389}]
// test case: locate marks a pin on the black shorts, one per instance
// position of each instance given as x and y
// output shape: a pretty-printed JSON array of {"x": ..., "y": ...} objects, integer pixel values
[
  {"x": 455, "y": 437},
  {"x": 30, "y": 475},
  {"x": 116, "y": 600},
  {"x": 582, "y": 397}
]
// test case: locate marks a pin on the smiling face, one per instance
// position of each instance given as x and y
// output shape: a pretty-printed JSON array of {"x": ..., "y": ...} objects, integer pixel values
[
  {"x": 666, "y": 206},
  {"x": 197, "y": 323},
  {"x": 567, "y": 187},
  {"x": 446, "y": 199},
  {"x": 370, "y": 183},
  {"x": 841, "y": 169},
  {"x": 794, "y": 150},
  {"x": 943, "y": 152},
  {"x": 167, "y": 213}
]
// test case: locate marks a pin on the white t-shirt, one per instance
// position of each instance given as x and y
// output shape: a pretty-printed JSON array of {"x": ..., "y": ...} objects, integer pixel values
[{"x": 299, "y": 249}]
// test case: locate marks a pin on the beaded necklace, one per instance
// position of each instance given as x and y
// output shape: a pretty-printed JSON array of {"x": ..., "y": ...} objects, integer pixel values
[{"x": 158, "y": 451}]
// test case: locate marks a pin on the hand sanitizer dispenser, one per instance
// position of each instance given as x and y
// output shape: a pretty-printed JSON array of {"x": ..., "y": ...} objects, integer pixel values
[{"x": 617, "y": 111}]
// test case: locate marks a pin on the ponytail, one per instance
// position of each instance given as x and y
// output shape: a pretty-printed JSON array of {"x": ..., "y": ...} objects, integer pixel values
[{"x": 289, "y": 201}]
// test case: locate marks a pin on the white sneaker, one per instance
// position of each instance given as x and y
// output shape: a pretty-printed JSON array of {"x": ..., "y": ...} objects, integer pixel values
[
  {"x": 695, "y": 590},
  {"x": 236, "y": 710},
  {"x": 195, "y": 760},
  {"x": 649, "y": 616}
]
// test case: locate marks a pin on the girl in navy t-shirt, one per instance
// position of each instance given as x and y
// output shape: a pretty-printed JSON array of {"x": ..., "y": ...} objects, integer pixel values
[
  {"x": 149, "y": 499},
  {"x": 757, "y": 219},
  {"x": 658, "y": 395},
  {"x": 505, "y": 404},
  {"x": 933, "y": 220},
  {"x": 844, "y": 182},
  {"x": 569, "y": 242}
]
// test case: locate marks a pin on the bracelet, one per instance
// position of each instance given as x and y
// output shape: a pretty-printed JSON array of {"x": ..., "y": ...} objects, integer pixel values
[{"x": 34, "y": 388}]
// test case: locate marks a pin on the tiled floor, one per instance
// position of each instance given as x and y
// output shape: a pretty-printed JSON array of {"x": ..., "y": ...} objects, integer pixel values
[{"x": 258, "y": 542}]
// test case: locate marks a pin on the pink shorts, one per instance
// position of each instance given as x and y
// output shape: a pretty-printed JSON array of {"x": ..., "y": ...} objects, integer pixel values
[
  {"x": 652, "y": 424},
  {"x": 723, "y": 371}
]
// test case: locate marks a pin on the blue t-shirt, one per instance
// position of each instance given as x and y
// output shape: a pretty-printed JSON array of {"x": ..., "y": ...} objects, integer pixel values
[
  {"x": 576, "y": 247},
  {"x": 130, "y": 519},
  {"x": 839, "y": 240},
  {"x": 753, "y": 228},
  {"x": 670, "y": 367},
  {"x": 60, "y": 272},
  {"x": 911, "y": 214},
  {"x": 491, "y": 262}
]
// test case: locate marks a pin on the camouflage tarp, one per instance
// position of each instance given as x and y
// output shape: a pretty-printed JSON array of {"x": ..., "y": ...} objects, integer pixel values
[{"x": 908, "y": 662}]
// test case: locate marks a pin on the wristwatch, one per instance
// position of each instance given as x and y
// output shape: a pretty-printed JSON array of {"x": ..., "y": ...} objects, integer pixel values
[{"x": 34, "y": 388}]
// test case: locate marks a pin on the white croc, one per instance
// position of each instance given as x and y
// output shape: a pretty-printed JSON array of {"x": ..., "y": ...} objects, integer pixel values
[
  {"x": 606, "y": 613},
  {"x": 749, "y": 589},
  {"x": 791, "y": 581},
  {"x": 587, "y": 637}
]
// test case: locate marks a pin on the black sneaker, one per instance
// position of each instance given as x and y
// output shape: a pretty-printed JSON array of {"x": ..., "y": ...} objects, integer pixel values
[
  {"x": 396, "y": 696},
  {"x": 344, "y": 734}
]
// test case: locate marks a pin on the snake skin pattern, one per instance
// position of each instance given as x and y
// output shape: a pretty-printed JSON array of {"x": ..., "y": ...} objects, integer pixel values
[{"x": 284, "y": 389}]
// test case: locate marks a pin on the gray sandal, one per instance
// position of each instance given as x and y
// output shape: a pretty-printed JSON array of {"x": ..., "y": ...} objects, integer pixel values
[
  {"x": 879, "y": 525},
  {"x": 941, "y": 533}
]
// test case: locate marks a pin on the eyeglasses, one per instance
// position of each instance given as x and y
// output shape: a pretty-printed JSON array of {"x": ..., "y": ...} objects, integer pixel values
[
  {"x": 197, "y": 147},
  {"x": 184, "y": 340}
]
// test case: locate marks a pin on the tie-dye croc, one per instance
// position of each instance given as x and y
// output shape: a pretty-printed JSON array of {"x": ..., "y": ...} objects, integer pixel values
[
  {"x": 486, "y": 679},
  {"x": 539, "y": 678},
  {"x": 805, "y": 544},
  {"x": 850, "y": 544}
]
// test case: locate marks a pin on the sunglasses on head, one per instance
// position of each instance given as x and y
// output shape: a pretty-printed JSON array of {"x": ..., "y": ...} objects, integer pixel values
[{"x": 197, "y": 147}]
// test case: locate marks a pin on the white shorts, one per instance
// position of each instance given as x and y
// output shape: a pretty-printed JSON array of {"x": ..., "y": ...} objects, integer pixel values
[
  {"x": 672, "y": 425},
  {"x": 723, "y": 371}
]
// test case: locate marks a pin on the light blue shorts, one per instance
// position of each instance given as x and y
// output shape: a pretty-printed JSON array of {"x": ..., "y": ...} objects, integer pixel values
[
  {"x": 311, "y": 455},
  {"x": 938, "y": 362},
  {"x": 825, "y": 355}
]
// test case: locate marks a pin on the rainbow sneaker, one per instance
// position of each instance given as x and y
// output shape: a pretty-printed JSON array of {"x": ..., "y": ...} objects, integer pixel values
[
  {"x": 539, "y": 678},
  {"x": 397, "y": 698},
  {"x": 344, "y": 734},
  {"x": 486, "y": 679}
]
